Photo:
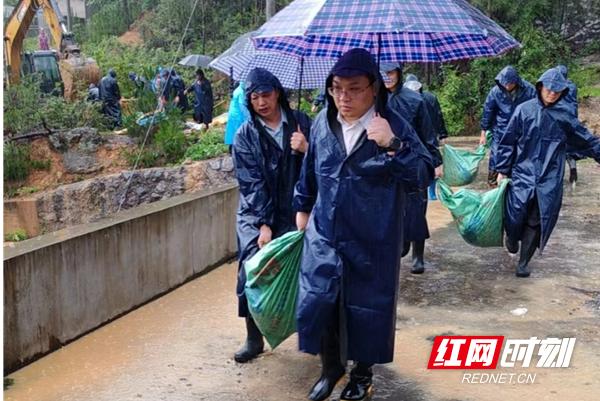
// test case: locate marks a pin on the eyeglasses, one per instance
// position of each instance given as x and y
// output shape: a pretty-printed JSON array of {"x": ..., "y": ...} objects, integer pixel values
[{"x": 351, "y": 93}]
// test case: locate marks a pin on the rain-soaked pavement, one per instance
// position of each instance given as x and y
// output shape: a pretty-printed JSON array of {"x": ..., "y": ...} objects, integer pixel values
[{"x": 180, "y": 347}]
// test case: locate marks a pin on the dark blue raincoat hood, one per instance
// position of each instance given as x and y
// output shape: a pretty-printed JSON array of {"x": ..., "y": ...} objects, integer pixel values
[
  {"x": 508, "y": 75},
  {"x": 554, "y": 80}
]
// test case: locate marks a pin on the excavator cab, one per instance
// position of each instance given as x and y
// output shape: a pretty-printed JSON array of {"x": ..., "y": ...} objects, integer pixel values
[{"x": 44, "y": 63}]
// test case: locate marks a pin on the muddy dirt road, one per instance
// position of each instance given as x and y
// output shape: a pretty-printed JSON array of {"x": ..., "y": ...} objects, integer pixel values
[{"x": 180, "y": 347}]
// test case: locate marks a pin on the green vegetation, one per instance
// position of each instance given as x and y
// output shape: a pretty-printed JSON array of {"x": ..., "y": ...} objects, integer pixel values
[
  {"x": 18, "y": 235},
  {"x": 210, "y": 145}
]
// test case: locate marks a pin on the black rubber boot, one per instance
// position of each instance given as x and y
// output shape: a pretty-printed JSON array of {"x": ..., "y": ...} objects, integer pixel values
[
  {"x": 529, "y": 243},
  {"x": 331, "y": 371},
  {"x": 360, "y": 386},
  {"x": 254, "y": 345},
  {"x": 418, "y": 249},
  {"x": 512, "y": 246},
  {"x": 405, "y": 248}
]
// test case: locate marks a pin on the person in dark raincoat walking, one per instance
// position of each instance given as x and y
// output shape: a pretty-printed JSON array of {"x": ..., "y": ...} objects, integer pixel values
[
  {"x": 413, "y": 108},
  {"x": 532, "y": 153},
  {"x": 179, "y": 94},
  {"x": 267, "y": 151},
  {"x": 110, "y": 95},
  {"x": 203, "y": 99},
  {"x": 362, "y": 159},
  {"x": 433, "y": 107},
  {"x": 509, "y": 91},
  {"x": 571, "y": 99}
]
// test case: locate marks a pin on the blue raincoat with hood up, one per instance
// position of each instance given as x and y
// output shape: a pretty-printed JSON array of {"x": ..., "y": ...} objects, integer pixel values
[
  {"x": 266, "y": 174},
  {"x": 571, "y": 97},
  {"x": 532, "y": 152},
  {"x": 500, "y": 105},
  {"x": 352, "y": 243}
]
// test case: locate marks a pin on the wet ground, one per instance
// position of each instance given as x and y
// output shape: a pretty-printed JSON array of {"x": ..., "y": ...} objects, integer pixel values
[{"x": 180, "y": 347}]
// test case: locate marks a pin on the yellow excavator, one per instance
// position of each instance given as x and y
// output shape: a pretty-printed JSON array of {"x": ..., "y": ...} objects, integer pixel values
[{"x": 65, "y": 66}]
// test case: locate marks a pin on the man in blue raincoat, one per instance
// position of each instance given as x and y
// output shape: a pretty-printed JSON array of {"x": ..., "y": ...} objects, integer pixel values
[
  {"x": 532, "y": 153},
  {"x": 413, "y": 108},
  {"x": 509, "y": 91},
  {"x": 362, "y": 160},
  {"x": 203, "y": 99},
  {"x": 267, "y": 151},
  {"x": 571, "y": 99},
  {"x": 110, "y": 95}
]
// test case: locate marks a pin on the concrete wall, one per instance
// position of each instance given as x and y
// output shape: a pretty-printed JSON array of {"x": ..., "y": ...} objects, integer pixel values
[{"x": 61, "y": 285}]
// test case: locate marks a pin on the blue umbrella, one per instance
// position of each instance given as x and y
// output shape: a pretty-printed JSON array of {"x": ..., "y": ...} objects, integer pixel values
[
  {"x": 396, "y": 31},
  {"x": 294, "y": 72}
]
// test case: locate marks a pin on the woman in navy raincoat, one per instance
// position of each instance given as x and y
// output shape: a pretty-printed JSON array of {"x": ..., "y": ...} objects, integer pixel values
[
  {"x": 502, "y": 100},
  {"x": 412, "y": 107},
  {"x": 355, "y": 199},
  {"x": 110, "y": 95},
  {"x": 267, "y": 151},
  {"x": 532, "y": 152},
  {"x": 203, "y": 99}
]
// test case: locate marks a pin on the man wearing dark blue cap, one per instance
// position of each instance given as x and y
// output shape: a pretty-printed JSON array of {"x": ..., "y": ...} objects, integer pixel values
[
  {"x": 362, "y": 158},
  {"x": 532, "y": 153},
  {"x": 413, "y": 108},
  {"x": 267, "y": 151}
]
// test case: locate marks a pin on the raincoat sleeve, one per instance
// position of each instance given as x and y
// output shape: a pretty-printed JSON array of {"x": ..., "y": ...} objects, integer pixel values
[
  {"x": 490, "y": 108},
  {"x": 582, "y": 142},
  {"x": 443, "y": 133},
  {"x": 305, "y": 193},
  {"x": 412, "y": 165},
  {"x": 252, "y": 183},
  {"x": 426, "y": 128},
  {"x": 505, "y": 155}
]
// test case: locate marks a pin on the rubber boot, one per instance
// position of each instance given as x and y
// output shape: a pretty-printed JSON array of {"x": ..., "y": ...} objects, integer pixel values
[
  {"x": 360, "y": 386},
  {"x": 418, "y": 248},
  {"x": 405, "y": 248},
  {"x": 331, "y": 371},
  {"x": 512, "y": 246},
  {"x": 254, "y": 345},
  {"x": 573, "y": 177},
  {"x": 529, "y": 243}
]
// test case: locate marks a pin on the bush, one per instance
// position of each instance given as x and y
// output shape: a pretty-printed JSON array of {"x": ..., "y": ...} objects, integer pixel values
[
  {"x": 210, "y": 145},
  {"x": 170, "y": 139},
  {"x": 26, "y": 108},
  {"x": 148, "y": 158},
  {"x": 22, "y": 112},
  {"x": 17, "y": 161},
  {"x": 18, "y": 235}
]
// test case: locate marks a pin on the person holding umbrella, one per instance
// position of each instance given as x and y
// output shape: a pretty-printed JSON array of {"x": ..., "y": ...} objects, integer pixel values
[
  {"x": 413, "y": 108},
  {"x": 267, "y": 152},
  {"x": 203, "y": 102},
  {"x": 532, "y": 153},
  {"x": 363, "y": 157}
]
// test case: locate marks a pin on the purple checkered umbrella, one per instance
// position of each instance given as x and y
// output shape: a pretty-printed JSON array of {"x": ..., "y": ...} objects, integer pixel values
[
  {"x": 396, "y": 30},
  {"x": 294, "y": 72}
]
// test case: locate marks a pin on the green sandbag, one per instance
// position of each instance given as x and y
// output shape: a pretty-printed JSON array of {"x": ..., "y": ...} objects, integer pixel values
[
  {"x": 272, "y": 286},
  {"x": 460, "y": 165},
  {"x": 478, "y": 216}
]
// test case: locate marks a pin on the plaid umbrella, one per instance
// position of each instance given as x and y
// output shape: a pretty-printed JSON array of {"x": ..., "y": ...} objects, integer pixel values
[
  {"x": 293, "y": 71},
  {"x": 195, "y": 60},
  {"x": 406, "y": 31}
]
